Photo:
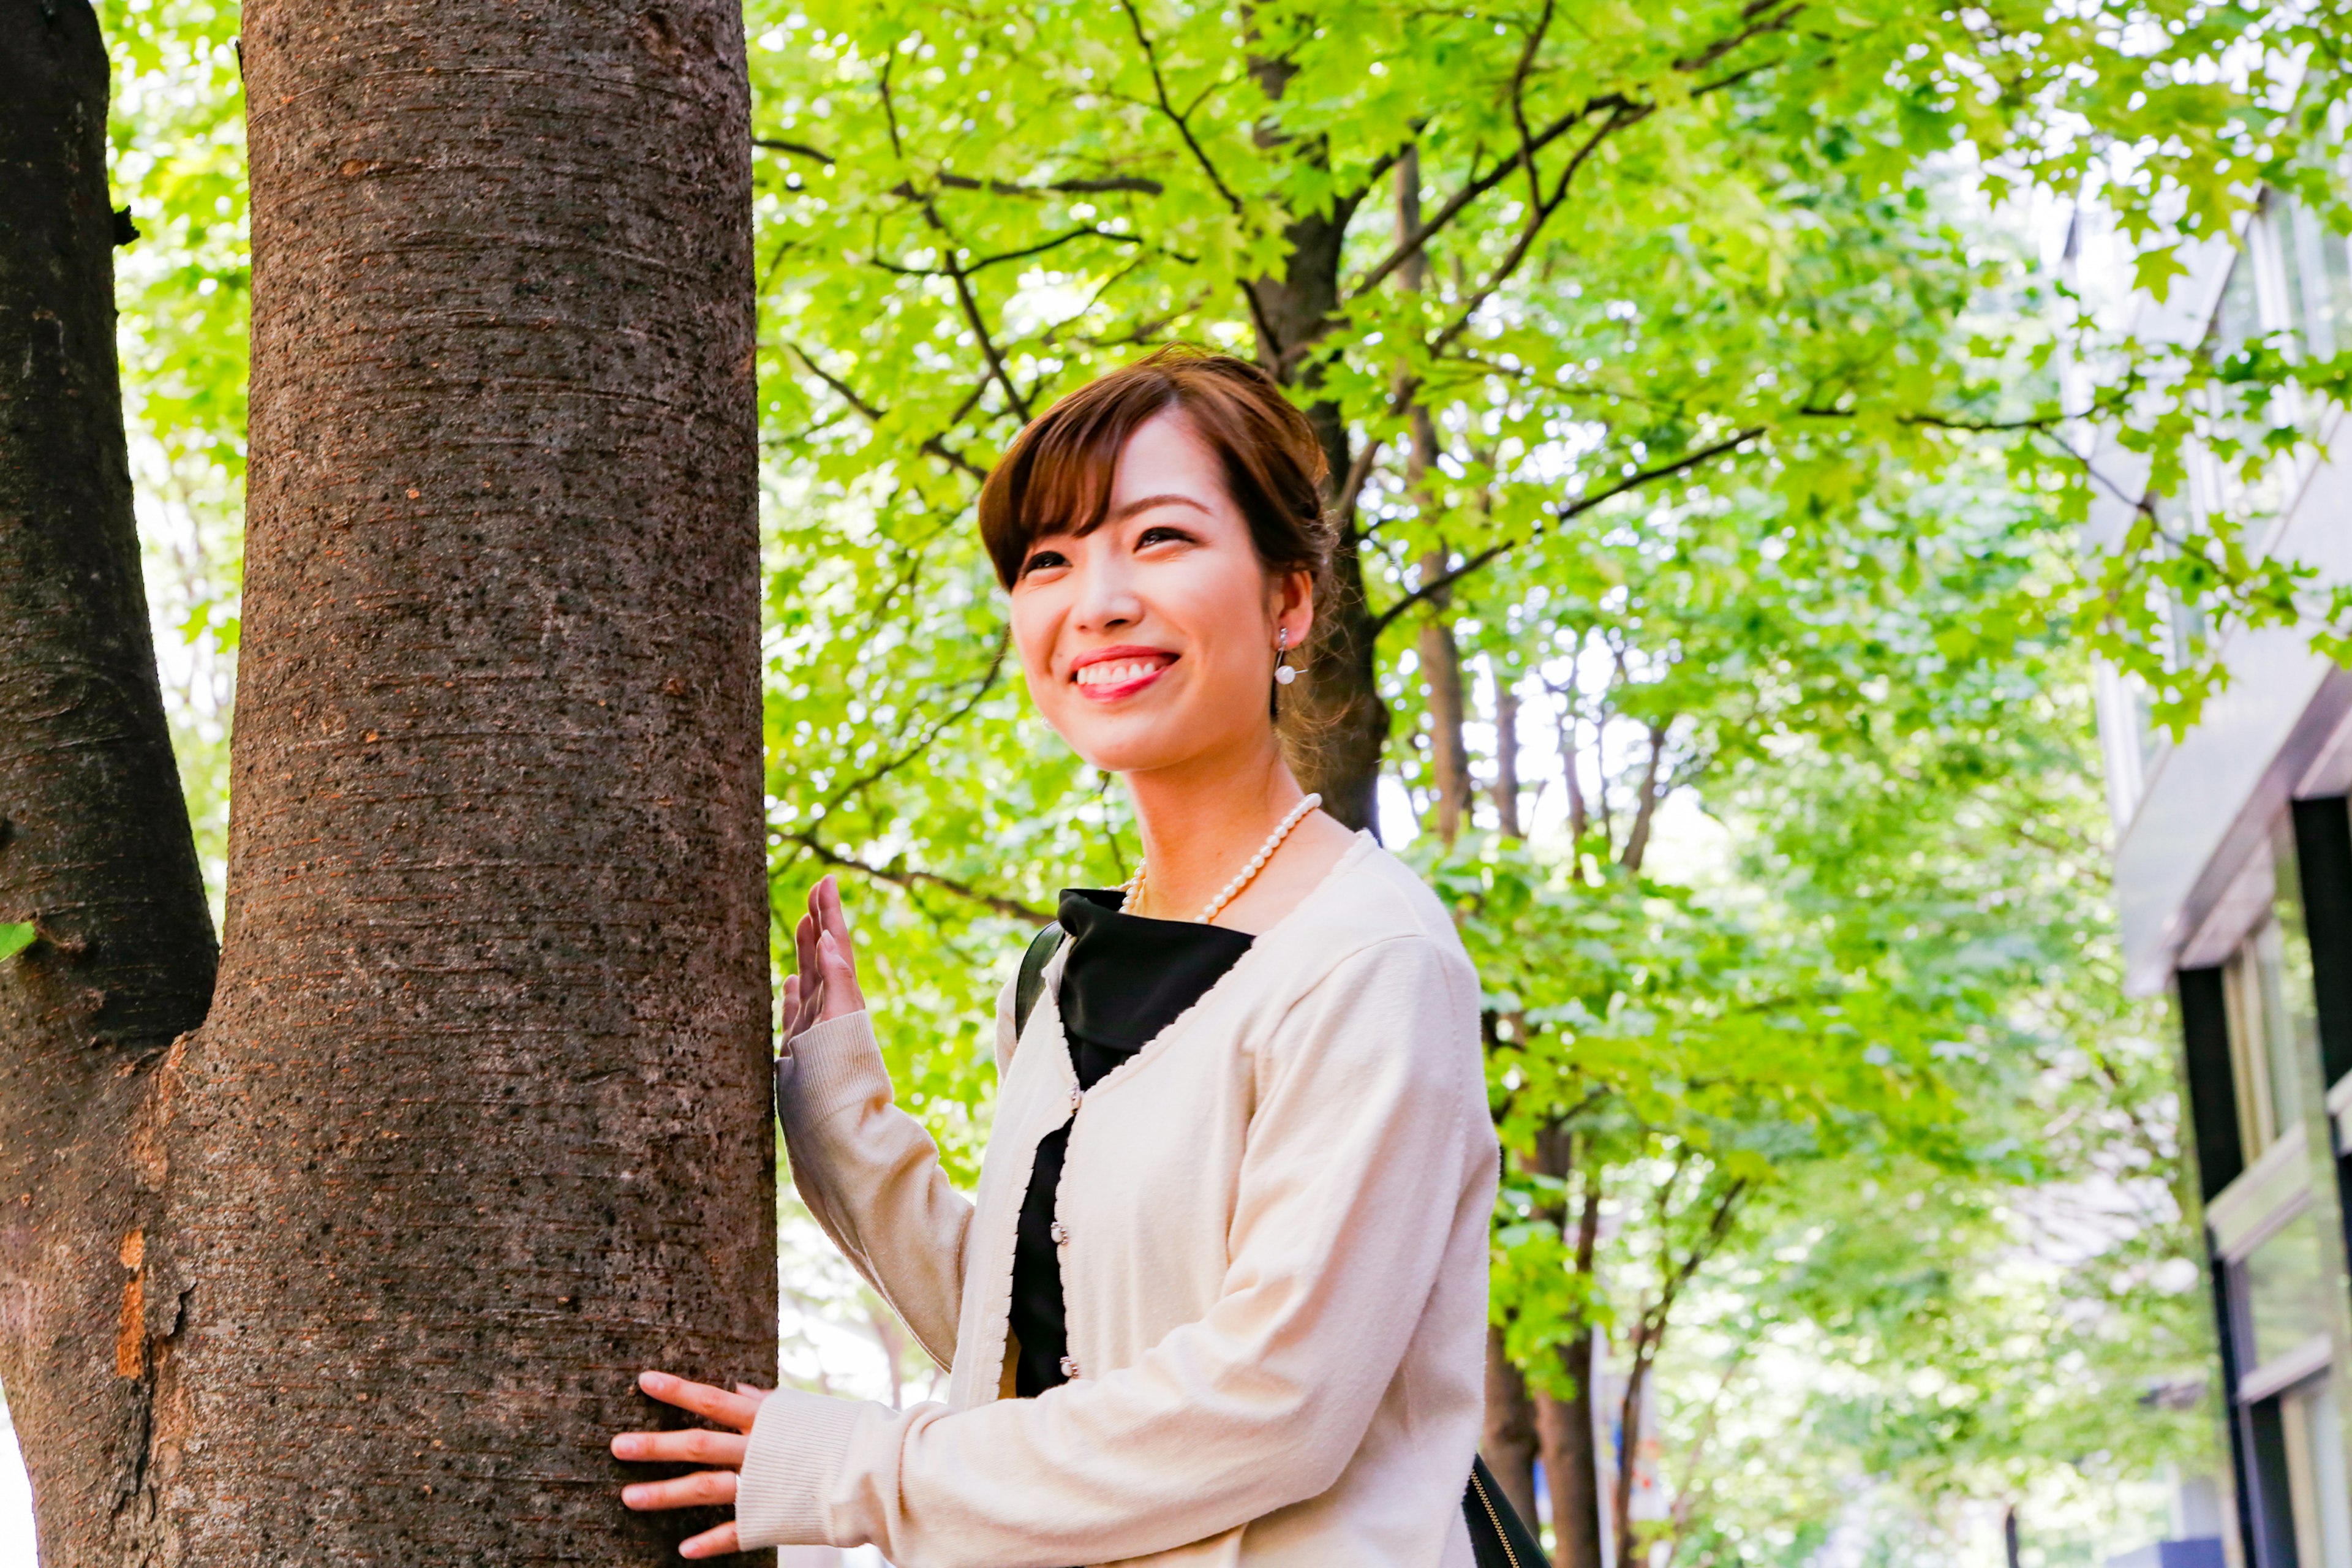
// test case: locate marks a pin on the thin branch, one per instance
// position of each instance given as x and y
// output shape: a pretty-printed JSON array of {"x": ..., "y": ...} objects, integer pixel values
[
  {"x": 797, "y": 149},
  {"x": 1478, "y": 187},
  {"x": 910, "y": 878},
  {"x": 1183, "y": 126},
  {"x": 1208, "y": 166},
  {"x": 1082, "y": 232},
  {"x": 1764, "y": 20},
  {"x": 1105, "y": 185},
  {"x": 1573, "y": 510},
  {"x": 935, "y": 445},
  {"x": 1538, "y": 216},
  {"x": 945, "y": 721}
]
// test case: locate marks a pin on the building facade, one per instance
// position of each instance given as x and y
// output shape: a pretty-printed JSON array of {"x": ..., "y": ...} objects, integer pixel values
[{"x": 2233, "y": 880}]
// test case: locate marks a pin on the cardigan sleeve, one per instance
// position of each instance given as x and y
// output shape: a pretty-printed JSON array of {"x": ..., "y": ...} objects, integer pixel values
[
  {"x": 871, "y": 1176},
  {"x": 1369, "y": 1146}
]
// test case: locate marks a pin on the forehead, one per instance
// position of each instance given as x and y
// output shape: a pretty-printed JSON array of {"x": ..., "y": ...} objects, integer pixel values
[{"x": 1165, "y": 458}]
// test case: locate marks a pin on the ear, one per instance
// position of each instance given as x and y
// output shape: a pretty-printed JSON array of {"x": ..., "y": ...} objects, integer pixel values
[{"x": 1291, "y": 602}]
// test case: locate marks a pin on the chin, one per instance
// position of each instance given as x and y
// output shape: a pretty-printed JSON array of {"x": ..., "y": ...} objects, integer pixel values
[{"x": 1127, "y": 744}]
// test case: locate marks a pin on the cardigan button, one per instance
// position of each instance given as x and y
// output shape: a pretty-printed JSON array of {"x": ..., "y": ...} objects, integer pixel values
[
  {"x": 1061, "y": 1233},
  {"x": 1078, "y": 1098},
  {"x": 1069, "y": 1366}
]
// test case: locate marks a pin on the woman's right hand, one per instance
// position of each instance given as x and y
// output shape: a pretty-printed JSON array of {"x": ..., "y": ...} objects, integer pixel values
[{"x": 826, "y": 987}]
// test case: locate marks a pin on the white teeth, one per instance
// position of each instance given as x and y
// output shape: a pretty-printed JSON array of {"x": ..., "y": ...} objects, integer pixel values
[{"x": 1113, "y": 673}]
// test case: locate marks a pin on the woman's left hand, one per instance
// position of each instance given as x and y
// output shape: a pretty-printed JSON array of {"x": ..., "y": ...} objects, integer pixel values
[{"x": 721, "y": 1449}]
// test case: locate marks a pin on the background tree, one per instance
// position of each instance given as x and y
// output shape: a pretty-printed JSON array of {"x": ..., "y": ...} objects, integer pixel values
[
  {"x": 476, "y": 1122},
  {"x": 1872, "y": 808}
]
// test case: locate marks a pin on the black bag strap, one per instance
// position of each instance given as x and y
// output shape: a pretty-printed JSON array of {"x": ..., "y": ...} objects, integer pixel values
[
  {"x": 1030, "y": 984},
  {"x": 1499, "y": 1538}
]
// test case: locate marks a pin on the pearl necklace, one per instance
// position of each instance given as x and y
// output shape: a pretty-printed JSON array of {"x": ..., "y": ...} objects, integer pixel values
[{"x": 1233, "y": 890}]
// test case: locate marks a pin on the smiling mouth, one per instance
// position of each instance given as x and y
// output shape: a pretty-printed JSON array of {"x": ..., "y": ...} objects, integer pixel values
[{"x": 1112, "y": 678}]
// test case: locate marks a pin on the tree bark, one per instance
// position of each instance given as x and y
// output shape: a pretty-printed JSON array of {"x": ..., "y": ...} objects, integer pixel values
[
  {"x": 1440, "y": 678},
  {"x": 479, "y": 1124},
  {"x": 95, "y": 850},
  {"x": 1571, "y": 1455},
  {"x": 1341, "y": 727},
  {"x": 1506, "y": 753},
  {"x": 1441, "y": 658},
  {"x": 1637, "y": 840},
  {"x": 1508, "y": 1443}
]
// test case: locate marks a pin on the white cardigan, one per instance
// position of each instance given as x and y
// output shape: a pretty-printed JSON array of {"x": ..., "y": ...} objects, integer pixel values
[{"x": 1275, "y": 1272}]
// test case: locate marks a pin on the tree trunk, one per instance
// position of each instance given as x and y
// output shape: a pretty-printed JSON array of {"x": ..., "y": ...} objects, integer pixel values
[
  {"x": 95, "y": 850},
  {"x": 1637, "y": 841},
  {"x": 479, "y": 1124},
  {"x": 1336, "y": 744},
  {"x": 1508, "y": 1443},
  {"x": 1440, "y": 679},
  {"x": 1571, "y": 1455},
  {"x": 1571, "y": 1462},
  {"x": 1506, "y": 753},
  {"x": 1441, "y": 658}
]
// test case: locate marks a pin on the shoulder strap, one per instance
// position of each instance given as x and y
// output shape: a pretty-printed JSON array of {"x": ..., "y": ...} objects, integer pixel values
[{"x": 1031, "y": 983}]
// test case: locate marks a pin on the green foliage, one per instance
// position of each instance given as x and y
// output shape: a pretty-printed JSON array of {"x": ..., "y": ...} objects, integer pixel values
[
  {"x": 1751, "y": 455},
  {"x": 15, "y": 939}
]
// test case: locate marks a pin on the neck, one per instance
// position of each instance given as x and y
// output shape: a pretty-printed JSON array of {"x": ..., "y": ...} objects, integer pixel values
[{"x": 1202, "y": 819}]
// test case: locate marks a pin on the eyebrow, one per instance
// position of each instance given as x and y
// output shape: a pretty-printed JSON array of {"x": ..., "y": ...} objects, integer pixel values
[{"x": 1145, "y": 503}]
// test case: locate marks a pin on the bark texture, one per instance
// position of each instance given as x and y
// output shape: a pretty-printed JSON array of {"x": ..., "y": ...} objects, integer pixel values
[
  {"x": 1507, "y": 754},
  {"x": 95, "y": 850},
  {"x": 479, "y": 1125},
  {"x": 1508, "y": 1442},
  {"x": 1342, "y": 723}
]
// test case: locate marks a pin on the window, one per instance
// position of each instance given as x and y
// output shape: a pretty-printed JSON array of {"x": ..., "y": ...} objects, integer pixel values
[
  {"x": 2317, "y": 267},
  {"x": 2273, "y": 1026},
  {"x": 2287, "y": 1291},
  {"x": 2315, "y": 1477}
]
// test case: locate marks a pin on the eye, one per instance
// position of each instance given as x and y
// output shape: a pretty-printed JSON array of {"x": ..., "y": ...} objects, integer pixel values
[
  {"x": 1164, "y": 533},
  {"x": 1044, "y": 561}
]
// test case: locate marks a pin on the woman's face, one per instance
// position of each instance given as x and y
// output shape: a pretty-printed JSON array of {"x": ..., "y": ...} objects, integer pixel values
[{"x": 1149, "y": 642}]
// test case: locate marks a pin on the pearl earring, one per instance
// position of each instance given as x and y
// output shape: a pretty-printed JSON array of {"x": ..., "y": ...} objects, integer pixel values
[{"x": 1283, "y": 672}]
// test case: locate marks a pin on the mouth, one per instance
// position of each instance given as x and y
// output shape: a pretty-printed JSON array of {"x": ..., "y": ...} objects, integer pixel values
[{"x": 1107, "y": 675}]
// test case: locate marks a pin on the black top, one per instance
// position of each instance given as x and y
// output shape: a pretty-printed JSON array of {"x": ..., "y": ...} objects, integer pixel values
[{"x": 1123, "y": 979}]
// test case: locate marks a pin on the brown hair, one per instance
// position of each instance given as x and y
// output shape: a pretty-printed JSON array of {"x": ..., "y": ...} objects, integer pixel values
[{"x": 1058, "y": 476}]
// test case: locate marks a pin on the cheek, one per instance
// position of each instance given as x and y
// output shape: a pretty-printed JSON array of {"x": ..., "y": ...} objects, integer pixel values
[{"x": 1033, "y": 625}]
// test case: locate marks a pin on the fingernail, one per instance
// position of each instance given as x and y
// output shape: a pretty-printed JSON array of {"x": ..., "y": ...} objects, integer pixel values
[
  {"x": 624, "y": 1448},
  {"x": 633, "y": 1495},
  {"x": 651, "y": 1381}
]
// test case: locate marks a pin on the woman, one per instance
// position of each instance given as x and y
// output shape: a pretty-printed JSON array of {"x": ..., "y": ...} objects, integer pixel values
[{"x": 1220, "y": 1295}]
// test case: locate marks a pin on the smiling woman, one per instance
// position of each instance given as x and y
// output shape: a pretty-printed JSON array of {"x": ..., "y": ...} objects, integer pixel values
[{"x": 1220, "y": 1295}]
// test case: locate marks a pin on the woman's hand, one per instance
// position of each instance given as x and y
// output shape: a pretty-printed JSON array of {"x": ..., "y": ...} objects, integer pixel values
[
  {"x": 725, "y": 1449},
  {"x": 826, "y": 984}
]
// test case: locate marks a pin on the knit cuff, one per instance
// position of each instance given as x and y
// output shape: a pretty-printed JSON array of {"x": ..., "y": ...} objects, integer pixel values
[
  {"x": 831, "y": 1067},
  {"x": 798, "y": 1444}
]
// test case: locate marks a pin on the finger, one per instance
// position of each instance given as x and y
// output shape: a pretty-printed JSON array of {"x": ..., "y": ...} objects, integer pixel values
[
  {"x": 837, "y": 918},
  {"x": 695, "y": 1447},
  {"x": 805, "y": 945},
  {"x": 751, "y": 1393},
  {"x": 700, "y": 1490},
  {"x": 840, "y": 975},
  {"x": 730, "y": 1410},
  {"x": 800, "y": 1006},
  {"x": 716, "y": 1543}
]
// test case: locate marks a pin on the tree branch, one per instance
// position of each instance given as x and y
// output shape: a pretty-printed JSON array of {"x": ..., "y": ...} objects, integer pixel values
[
  {"x": 1208, "y": 166},
  {"x": 797, "y": 149},
  {"x": 936, "y": 446},
  {"x": 910, "y": 878},
  {"x": 1082, "y": 232},
  {"x": 1575, "y": 509}
]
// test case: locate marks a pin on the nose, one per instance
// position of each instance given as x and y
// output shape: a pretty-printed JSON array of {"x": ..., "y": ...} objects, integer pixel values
[{"x": 1107, "y": 599}]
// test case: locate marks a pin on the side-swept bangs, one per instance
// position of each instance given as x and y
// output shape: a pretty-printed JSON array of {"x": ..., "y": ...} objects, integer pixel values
[{"x": 1058, "y": 476}]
